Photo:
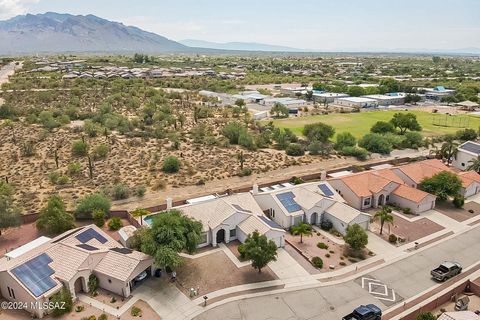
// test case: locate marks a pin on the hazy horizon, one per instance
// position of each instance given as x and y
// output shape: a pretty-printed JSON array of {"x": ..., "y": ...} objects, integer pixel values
[{"x": 370, "y": 25}]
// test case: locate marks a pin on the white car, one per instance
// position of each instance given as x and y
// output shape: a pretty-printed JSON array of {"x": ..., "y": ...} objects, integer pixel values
[{"x": 141, "y": 276}]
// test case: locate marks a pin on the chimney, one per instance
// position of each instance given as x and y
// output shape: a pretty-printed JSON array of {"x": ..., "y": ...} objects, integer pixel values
[
  {"x": 255, "y": 189},
  {"x": 323, "y": 175},
  {"x": 169, "y": 203}
]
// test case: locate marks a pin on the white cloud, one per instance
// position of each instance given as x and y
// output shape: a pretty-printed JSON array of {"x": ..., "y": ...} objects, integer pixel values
[{"x": 11, "y": 8}]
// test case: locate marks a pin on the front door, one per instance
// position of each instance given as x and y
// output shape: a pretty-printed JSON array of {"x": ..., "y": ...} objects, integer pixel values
[{"x": 220, "y": 236}]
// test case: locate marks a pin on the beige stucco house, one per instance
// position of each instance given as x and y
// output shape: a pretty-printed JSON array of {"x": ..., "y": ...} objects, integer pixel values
[{"x": 68, "y": 261}]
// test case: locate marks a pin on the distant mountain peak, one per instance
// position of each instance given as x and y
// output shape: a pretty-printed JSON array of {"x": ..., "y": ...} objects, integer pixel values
[{"x": 61, "y": 32}]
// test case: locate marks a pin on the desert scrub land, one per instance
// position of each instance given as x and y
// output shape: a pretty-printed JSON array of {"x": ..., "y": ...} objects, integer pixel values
[{"x": 115, "y": 138}]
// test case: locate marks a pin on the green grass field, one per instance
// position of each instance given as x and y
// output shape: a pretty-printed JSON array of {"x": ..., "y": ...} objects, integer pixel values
[{"x": 359, "y": 124}]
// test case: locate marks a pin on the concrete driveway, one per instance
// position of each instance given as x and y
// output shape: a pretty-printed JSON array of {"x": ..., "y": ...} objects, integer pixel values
[{"x": 407, "y": 278}]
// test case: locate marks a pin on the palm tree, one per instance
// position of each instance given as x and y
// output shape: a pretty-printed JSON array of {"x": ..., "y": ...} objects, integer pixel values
[
  {"x": 139, "y": 213},
  {"x": 474, "y": 164},
  {"x": 449, "y": 151},
  {"x": 302, "y": 229},
  {"x": 384, "y": 216}
]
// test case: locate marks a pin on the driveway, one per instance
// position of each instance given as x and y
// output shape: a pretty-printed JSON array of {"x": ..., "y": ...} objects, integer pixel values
[{"x": 398, "y": 281}]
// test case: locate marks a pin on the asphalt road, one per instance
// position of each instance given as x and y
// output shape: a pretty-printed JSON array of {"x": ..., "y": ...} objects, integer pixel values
[{"x": 407, "y": 278}]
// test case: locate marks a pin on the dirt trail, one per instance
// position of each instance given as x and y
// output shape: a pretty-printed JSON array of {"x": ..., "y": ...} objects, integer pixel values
[
  {"x": 217, "y": 186},
  {"x": 6, "y": 71}
]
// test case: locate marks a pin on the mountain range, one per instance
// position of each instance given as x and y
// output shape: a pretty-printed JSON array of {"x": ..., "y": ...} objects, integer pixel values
[
  {"x": 239, "y": 46},
  {"x": 54, "y": 32},
  {"x": 63, "y": 33}
]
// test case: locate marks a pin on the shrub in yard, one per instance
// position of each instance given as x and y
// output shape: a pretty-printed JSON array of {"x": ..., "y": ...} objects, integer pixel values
[
  {"x": 322, "y": 245},
  {"x": 113, "y": 300},
  {"x": 241, "y": 251},
  {"x": 136, "y": 311},
  {"x": 92, "y": 317},
  {"x": 326, "y": 225},
  {"x": 103, "y": 316},
  {"x": 317, "y": 262},
  {"x": 90, "y": 203},
  {"x": 407, "y": 211},
  {"x": 392, "y": 238},
  {"x": 140, "y": 191},
  {"x": 327, "y": 255},
  {"x": 92, "y": 284},
  {"x": 296, "y": 180},
  {"x": 79, "y": 308},
  {"x": 171, "y": 165},
  {"x": 115, "y": 224},
  {"x": 295, "y": 150},
  {"x": 331, "y": 251},
  {"x": 459, "y": 201},
  {"x": 342, "y": 263},
  {"x": 99, "y": 218},
  {"x": 63, "y": 299}
]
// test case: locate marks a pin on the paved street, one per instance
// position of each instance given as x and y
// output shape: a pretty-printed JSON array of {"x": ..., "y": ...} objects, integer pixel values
[{"x": 407, "y": 278}]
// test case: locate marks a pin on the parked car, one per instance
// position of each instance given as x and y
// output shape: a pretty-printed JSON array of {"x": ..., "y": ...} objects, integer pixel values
[
  {"x": 141, "y": 276},
  {"x": 368, "y": 312},
  {"x": 446, "y": 270}
]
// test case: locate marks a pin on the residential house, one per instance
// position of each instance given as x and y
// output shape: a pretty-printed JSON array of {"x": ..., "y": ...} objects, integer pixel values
[
  {"x": 289, "y": 205},
  {"x": 68, "y": 260},
  {"x": 228, "y": 218},
  {"x": 467, "y": 151},
  {"x": 372, "y": 189}
]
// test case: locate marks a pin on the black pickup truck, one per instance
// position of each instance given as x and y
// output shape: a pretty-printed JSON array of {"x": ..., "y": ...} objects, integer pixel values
[
  {"x": 446, "y": 270},
  {"x": 368, "y": 312}
]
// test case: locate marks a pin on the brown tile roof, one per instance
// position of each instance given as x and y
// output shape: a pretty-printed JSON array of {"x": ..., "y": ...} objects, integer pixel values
[
  {"x": 424, "y": 169},
  {"x": 469, "y": 176},
  {"x": 363, "y": 184},
  {"x": 410, "y": 193}
]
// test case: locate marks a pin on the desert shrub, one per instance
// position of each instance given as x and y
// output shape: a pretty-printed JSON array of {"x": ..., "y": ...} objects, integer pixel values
[
  {"x": 376, "y": 143},
  {"x": 331, "y": 251},
  {"x": 245, "y": 172},
  {"x": 63, "y": 180},
  {"x": 53, "y": 177},
  {"x": 171, "y": 165},
  {"x": 79, "y": 148},
  {"x": 120, "y": 191},
  {"x": 241, "y": 251},
  {"x": 413, "y": 140},
  {"x": 317, "y": 262},
  {"x": 92, "y": 317},
  {"x": 99, "y": 218},
  {"x": 392, "y": 238},
  {"x": 100, "y": 151},
  {"x": 296, "y": 180},
  {"x": 93, "y": 283},
  {"x": 74, "y": 168},
  {"x": 322, "y": 245},
  {"x": 359, "y": 153},
  {"x": 79, "y": 308},
  {"x": 327, "y": 255},
  {"x": 295, "y": 149},
  {"x": 136, "y": 311},
  {"x": 342, "y": 263},
  {"x": 140, "y": 191},
  {"x": 103, "y": 316},
  {"x": 459, "y": 201},
  {"x": 326, "y": 225},
  {"x": 90, "y": 203},
  {"x": 64, "y": 299}
]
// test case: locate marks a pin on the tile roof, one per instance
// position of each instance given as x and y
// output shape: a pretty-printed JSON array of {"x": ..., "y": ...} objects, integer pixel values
[
  {"x": 410, "y": 193},
  {"x": 253, "y": 223},
  {"x": 424, "y": 169},
  {"x": 344, "y": 212},
  {"x": 68, "y": 258},
  {"x": 470, "y": 175},
  {"x": 365, "y": 183}
]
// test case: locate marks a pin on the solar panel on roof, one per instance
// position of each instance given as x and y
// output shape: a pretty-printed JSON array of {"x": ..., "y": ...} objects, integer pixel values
[
  {"x": 122, "y": 250},
  {"x": 35, "y": 274},
  {"x": 471, "y": 147},
  {"x": 87, "y": 247},
  {"x": 90, "y": 234},
  {"x": 287, "y": 200},
  {"x": 236, "y": 206},
  {"x": 270, "y": 223},
  {"x": 326, "y": 190}
]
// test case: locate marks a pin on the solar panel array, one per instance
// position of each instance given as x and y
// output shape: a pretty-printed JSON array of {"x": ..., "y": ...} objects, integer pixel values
[
  {"x": 236, "y": 206},
  {"x": 471, "y": 147},
  {"x": 270, "y": 223},
  {"x": 288, "y": 201},
  {"x": 35, "y": 274},
  {"x": 122, "y": 250},
  {"x": 87, "y": 247},
  {"x": 326, "y": 190},
  {"x": 90, "y": 234}
]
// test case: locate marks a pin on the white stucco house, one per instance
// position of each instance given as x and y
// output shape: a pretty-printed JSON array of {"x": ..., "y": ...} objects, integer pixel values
[
  {"x": 36, "y": 272},
  {"x": 289, "y": 205},
  {"x": 228, "y": 218},
  {"x": 467, "y": 151}
]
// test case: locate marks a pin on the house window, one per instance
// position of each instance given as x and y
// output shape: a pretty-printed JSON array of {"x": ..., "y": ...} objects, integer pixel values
[
  {"x": 204, "y": 237},
  {"x": 233, "y": 233},
  {"x": 387, "y": 198},
  {"x": 366, "y": 201},
  {"x": 272, "y": 213},
  {"x": 13, "y": 294},
  {"x": 9, "y": 292}
]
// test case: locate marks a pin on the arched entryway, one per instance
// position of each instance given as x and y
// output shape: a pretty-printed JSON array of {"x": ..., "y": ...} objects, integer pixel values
[
  {"x": 78, "y": 285},
  {"x": 381, "y": 200},
  {"x": 313, "y": 218},
  {"x": 220, "y": 236}
]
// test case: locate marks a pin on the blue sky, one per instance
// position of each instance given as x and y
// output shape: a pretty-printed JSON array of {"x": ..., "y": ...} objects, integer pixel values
[{"x": 321, "y": 24}]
